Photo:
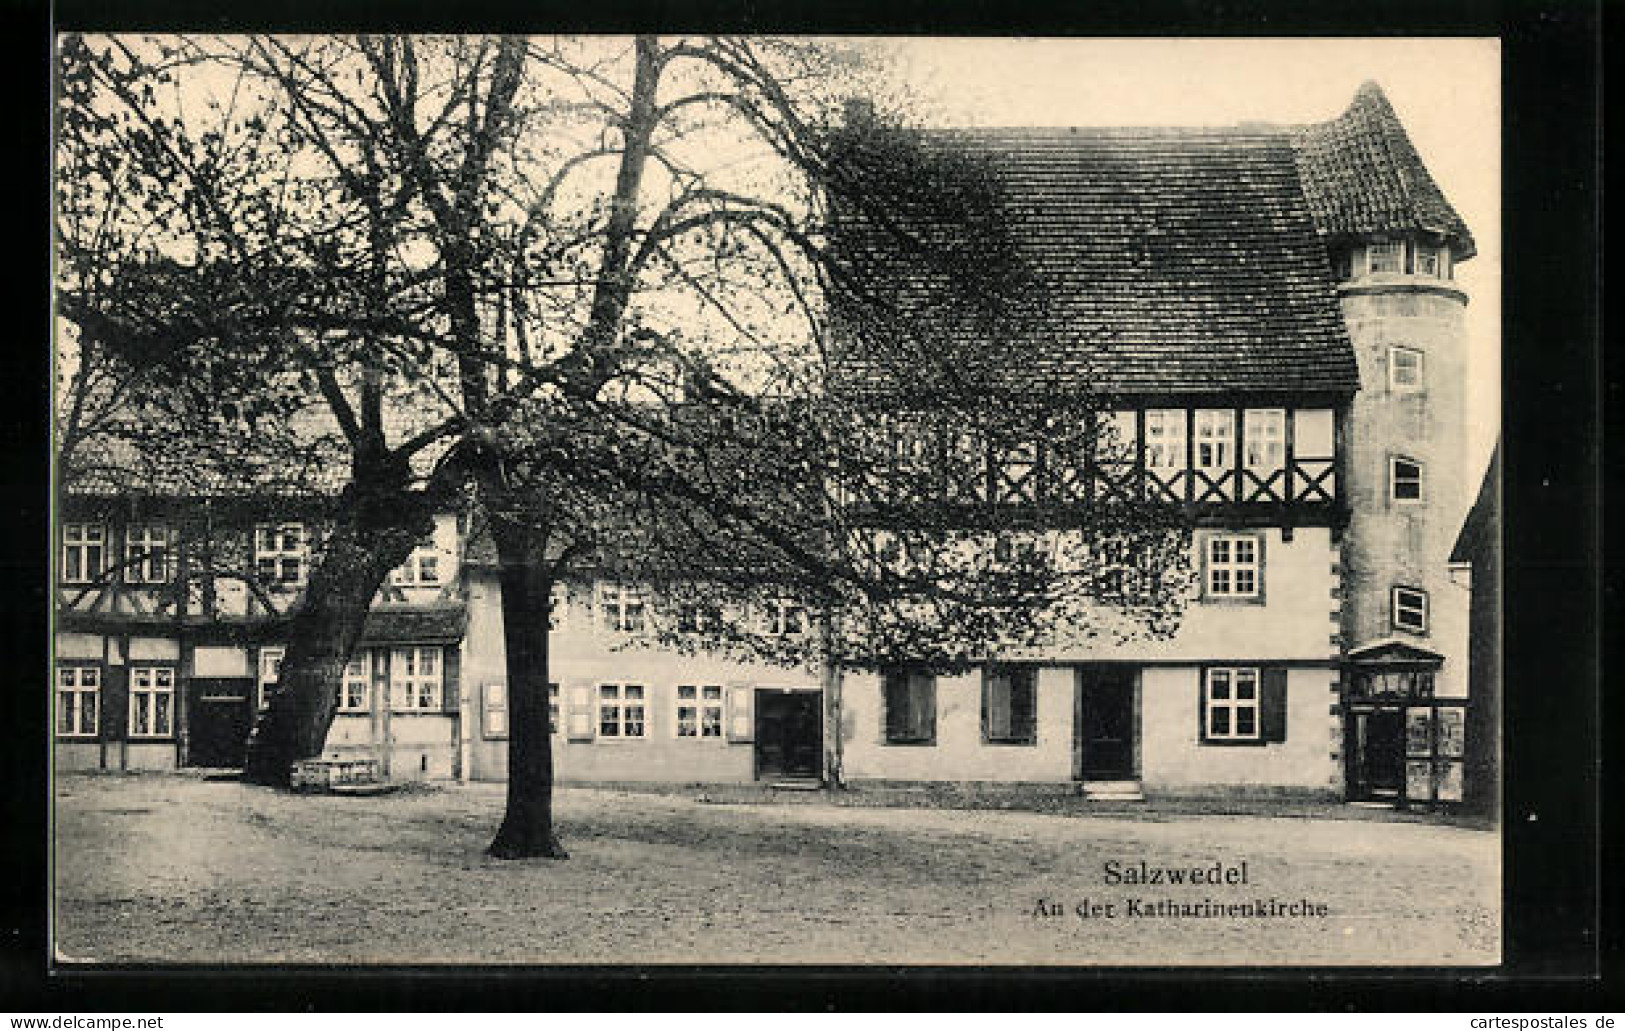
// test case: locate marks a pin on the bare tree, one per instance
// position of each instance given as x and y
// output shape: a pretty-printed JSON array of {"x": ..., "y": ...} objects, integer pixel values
[{"x": 655, "y": 302}]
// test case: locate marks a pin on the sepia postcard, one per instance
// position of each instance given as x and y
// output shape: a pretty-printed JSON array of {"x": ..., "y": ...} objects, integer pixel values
[{"x": 1002, "y": 502}]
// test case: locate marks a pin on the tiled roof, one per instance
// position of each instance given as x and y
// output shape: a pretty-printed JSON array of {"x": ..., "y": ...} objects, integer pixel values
[
  {"x": 1187, "y": 260},
  {"x": 444, "y": 625},
  {"x": 1172, "y": 261},
  {"x": 1361, "y": 175}
]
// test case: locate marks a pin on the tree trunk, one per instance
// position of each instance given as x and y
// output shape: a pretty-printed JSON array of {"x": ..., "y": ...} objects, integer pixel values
[
  {"x": 527, "y": 584},
  {"x": 376, "y": 530}
]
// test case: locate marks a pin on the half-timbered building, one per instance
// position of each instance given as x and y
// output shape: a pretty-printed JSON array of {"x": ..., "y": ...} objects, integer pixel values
[{"x": 1266, "y": 317}]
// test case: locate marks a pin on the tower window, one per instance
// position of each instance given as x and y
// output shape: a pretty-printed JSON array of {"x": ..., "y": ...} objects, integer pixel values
[
  {"x": 1404, "y": 479},
  {"x": 1409, "y": 609},
  {"x": 1428, "y": 262},
  {"x": 1404, "y": 368},
  {"x": 1385, "y": 257}
]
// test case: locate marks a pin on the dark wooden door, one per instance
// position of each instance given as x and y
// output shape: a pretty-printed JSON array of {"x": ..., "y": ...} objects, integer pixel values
[
  {"x": 789, "y": 734},
  {"x": 219, "y": 714},
  {"x": 1105, "y": 739},
  {"x": 1379, "y": 753}
]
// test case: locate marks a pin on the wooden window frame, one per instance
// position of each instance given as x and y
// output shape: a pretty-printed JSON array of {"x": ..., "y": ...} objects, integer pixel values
[
  {"x": 1232, "y": 566},
  {"x": 1170, "y": 437},
  {"x": 141, "y": 555},
  {"x": 414, "y": 682},
  {"x": 703, "y": 707},
  {"x": 78, "y": 689},
  {"x": 1221, "y": 445},
  {"x": 1394, "y": 480},
  {"x": 1232, "y": 705},
  {"x": 1371, "y": 249},
  {"x": 616, "y": 603},
  {"x": 154, "y": 690},
  {"x": 425, "y": 556},
  {"x": 622, "y": 702},
  {"x": 347, "y": 681},
  {"x": 1253, "y": 420},
  {"x": 1396, "y": 607},
  {"x": 777, "y": 613},
  {"x": 83, "y": 539},
  {"x": 1397, "y": 385},
  {"x": 279, "y": 554}
]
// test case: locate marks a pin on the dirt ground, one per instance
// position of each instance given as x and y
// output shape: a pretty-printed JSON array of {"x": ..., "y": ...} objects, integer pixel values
[{"x": 167, "y": 868}]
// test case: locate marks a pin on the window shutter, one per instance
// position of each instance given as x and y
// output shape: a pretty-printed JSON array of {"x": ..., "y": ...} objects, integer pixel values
[
  {"x": 451, "y": 668},
  {"x": 581, "y": 713},
  {"x": 999, "y": 716},
  {"x": 1272, "y": 705},
  {"x": 741, "y": 715},
  {"x": 924, "y": 689},
  {"x": 894, "y": 707}
]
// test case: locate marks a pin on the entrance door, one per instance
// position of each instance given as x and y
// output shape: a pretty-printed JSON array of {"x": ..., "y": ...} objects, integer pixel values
[
  {"x": 789, "y": 734},
  {"x": 1379, "y": 754},
  {"x": 219, "y": 714},
  {"x": 1105, "y": 723}
]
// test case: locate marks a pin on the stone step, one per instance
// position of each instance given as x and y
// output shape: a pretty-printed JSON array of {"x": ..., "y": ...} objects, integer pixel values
[
  {"x": 796, "y": 785},
  {"x": 1113, "y": 790}
]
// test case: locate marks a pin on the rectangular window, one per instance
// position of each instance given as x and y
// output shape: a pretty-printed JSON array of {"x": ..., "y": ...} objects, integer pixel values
[
  {"x": 698, "y": 617},
  {"x": 414, "y": 679},
  {"x": 146, "y": 553},
  {"x": 1404, "y": 479},
  {"x": 552, "y": 708},
  {"x": 622, "y": 711},
  {"x": 421, "y": 568},
  {"x": 1233, "y": 566},
  {"x": 1116, "y": 438},
  {"x": 621, "y": 608},
  {"x": 1427, "y": 261},
  {"x": 78, "y": 700},
  {"x": 1215, "y": 436},
  {"x": 152, "y": 701},
  {"x": 1410, "y": 609},
  {"x": 1165, "y": 438},
  {"x": 1385, "y": 257},
  {"x": 1265, "y": 430},
  {"x": 355, "y": 688},
  {"x": 1010, "y": 705},
  {"x": 279, "y": 553},
  {"x": 699, "y": 710},
  {"x": 1404, "y": 368},
  {"x": 785, "y": 617},
  {"x": 84, "y": 551},
  {"x": 911, "y": 707},
  {"x": 270, "y": 672},
  {"x": 1231, "y": 703}
]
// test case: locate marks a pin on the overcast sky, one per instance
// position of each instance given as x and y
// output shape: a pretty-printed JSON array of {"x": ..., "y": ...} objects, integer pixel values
[{"x": 1446, "y": 91}]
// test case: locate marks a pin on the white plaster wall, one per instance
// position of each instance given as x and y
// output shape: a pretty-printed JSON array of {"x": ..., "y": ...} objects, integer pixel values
[
  {"x": 218, "y": 661},
  {"x": 163, "y": 649},
  {"x": 959, "y": 752},
  {"x": 149, "y": 755},
  {"x": 1172, "y": 757},
  {"x": 79, "y": 646},
  {"x": 76, "y": 755},
  {"x": 1296, "y": 619}
]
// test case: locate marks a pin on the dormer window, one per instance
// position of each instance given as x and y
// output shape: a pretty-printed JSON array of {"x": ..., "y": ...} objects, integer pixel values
[{"x": 1385, "y": 257}]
